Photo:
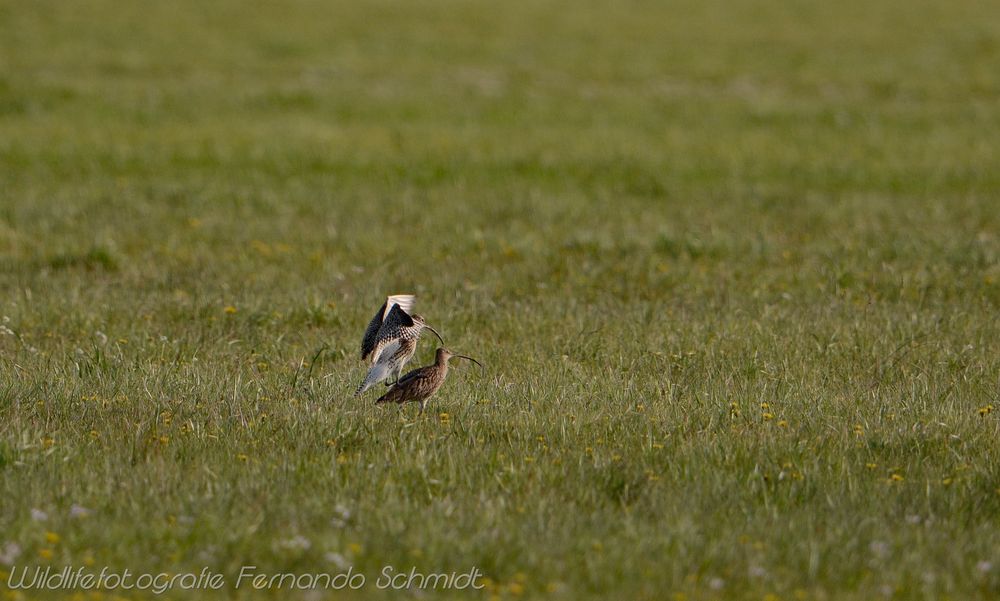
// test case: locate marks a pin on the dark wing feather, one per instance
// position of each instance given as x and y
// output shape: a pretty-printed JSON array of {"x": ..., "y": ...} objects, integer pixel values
[
  {"x": 409, "y": 386},
  {"x": 371, "y": 334},
  {"x": 409, "y": 375}
]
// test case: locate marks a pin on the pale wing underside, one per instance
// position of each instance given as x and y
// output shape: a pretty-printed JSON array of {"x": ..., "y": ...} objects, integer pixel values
[
  {"x": 384, "y": 352},
  {"x": 405, "y": 302},
  {"x": 392, "y": 357},
  {"x": 377, "y": 373}
]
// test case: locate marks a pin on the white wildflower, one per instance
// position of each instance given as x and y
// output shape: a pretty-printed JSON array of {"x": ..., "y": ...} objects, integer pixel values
[
  {"x": 337, "y": 559},
  {"x": 10, "y": 553}
]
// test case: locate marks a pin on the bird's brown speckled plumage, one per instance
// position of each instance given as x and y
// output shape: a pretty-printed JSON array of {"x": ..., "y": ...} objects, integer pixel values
[{"x": 422, "y": 383}]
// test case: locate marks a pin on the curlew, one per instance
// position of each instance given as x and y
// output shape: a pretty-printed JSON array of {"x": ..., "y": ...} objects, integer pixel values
[
  {"x": 421, "y": 383},
  {"x": 391, "y": 340}
]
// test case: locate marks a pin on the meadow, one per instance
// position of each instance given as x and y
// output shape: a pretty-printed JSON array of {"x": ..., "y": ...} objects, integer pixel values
[{"x": 733, "y": 268}]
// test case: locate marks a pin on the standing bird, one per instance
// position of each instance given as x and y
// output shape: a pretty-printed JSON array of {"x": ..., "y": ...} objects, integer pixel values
[
  {"x": 391, "y": 340},
  {"x": 421, "y": 383}
]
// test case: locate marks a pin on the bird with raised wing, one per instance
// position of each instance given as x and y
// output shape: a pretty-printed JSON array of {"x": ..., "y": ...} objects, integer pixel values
[
  {"x": 422, "y": 383},
  {"x": 391, "y": 340}
]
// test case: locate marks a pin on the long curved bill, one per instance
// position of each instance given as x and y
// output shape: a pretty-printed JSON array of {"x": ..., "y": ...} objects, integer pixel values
[
  {"x": 470, "y": 359},
  {"x": 435, "y": 333}
]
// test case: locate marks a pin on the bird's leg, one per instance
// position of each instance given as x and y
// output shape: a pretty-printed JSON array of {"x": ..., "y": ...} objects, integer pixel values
[
  {"x": 422, "y": 403},
  {"x": 395, "y": 377}
]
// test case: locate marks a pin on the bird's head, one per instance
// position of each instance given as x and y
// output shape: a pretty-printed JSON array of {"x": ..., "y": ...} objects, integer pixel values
[
  {"x": 444, "y": 354},
  {"x": 419, "y": 321}
]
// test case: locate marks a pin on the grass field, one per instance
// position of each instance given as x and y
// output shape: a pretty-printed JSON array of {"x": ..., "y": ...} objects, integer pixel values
[{"x": 733, "y": 268}]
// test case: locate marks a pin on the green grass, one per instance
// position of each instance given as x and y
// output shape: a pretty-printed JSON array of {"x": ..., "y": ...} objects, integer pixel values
[{"x": 731, "y": 266}]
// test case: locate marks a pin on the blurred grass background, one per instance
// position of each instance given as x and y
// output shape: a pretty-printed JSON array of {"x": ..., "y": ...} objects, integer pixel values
[{"x": 734, "y": 268}]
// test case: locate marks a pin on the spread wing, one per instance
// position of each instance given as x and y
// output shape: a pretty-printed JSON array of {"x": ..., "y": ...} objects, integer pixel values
[
  {"x": 368, "y": 342},
  {"x": 390, "y": 332},
  {"x": 371, "y": 337}
]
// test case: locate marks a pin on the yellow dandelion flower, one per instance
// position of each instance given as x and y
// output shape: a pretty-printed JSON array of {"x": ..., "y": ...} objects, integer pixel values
[
  {"x": 896, "y": 478},
  {"x": 765, "y": 406},
  {"x": 342, "y": 459},
  {"x": 871, "y": 466},
  {"x": 529, "y": 459},
  {"x": 52, "y": 538},
  {"x": 45, "y": 554},
  {"x": 986, "y": 410},
  {"x": 354, "y": 548},
  {"x": 783, "y": 423},
  {"x": 230, "y": 309},
  {"x": 657, "y": 445},
  {"x": 946, "y": 481},
  {"x": 768, "y": 416},
  {"x": 242, "y": 456},
  {"x": 516, "y": 588},
  {"x": 858, "y": 429}
]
